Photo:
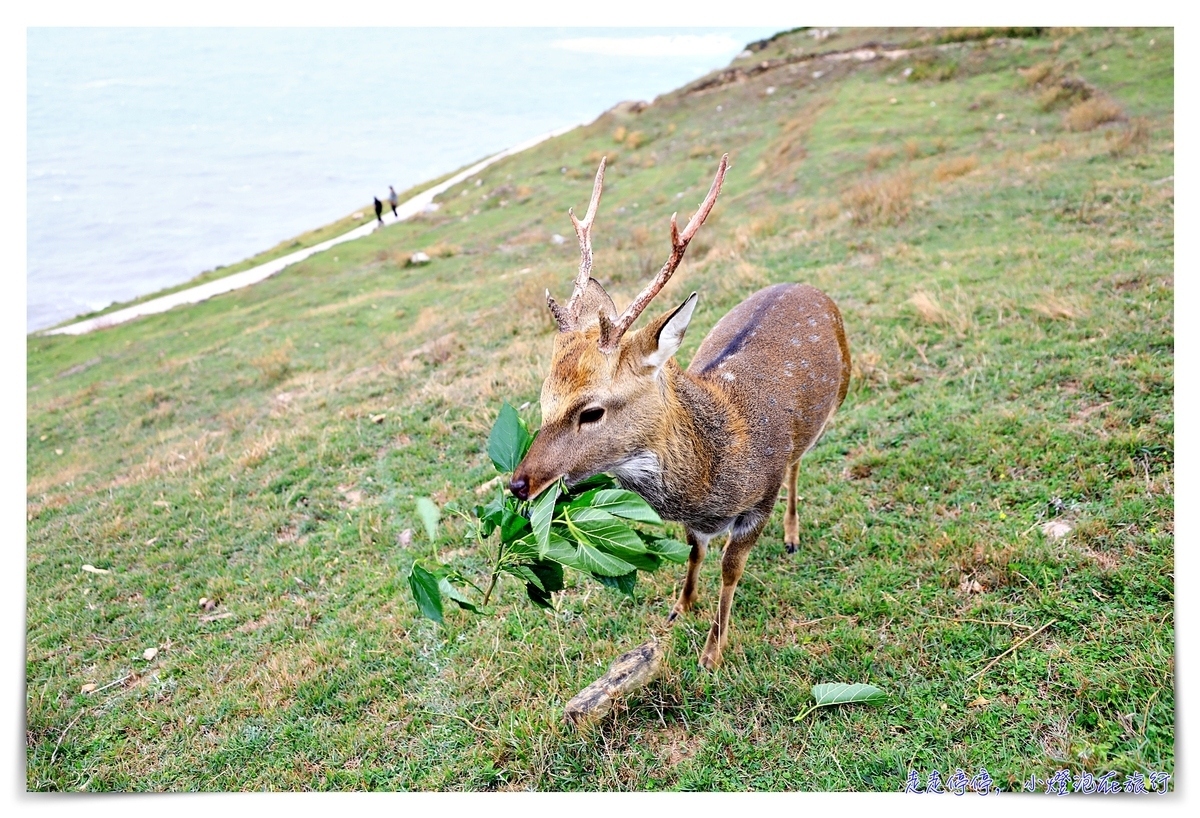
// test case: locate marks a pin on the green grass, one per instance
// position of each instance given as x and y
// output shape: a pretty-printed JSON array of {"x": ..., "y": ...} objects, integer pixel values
[{"x": 1007, "y": 289}]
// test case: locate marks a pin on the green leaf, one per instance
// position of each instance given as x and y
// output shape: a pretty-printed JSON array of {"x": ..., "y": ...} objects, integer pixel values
[
  {"x": 619, "y": 503},
  {"x": 559, "y": 549},
  {"x": 610, "y": 534},
  {"x": 509, "y": 440},
  {"x": 624, "y": 583},
  {"x": 490, "y": 516},
  {"x": 829, "y": 694},
  {"x": 669, "y": 549},
  {"x": 456, "y": 596},
  {"x": 524, "y": 548},
  {"x": 512, "y": 525},
  {"x": 538, "y": 596},
  {"x": 549, "y": 573},
  {"x": 522, "y": 572},
  {"x": 425, "y": 591},
  {"x": 429, "y": 514},
  {"x": 596, "y": 481},
  {"x": 540, "y": 515},
  {"x": 597, "y": 562}
]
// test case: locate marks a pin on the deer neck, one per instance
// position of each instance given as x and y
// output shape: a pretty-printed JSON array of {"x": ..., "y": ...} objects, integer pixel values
[{"x": 681, "y": 454}]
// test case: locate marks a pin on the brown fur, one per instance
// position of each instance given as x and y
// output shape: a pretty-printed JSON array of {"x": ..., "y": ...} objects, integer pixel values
[{"x": 709, "y": 446}]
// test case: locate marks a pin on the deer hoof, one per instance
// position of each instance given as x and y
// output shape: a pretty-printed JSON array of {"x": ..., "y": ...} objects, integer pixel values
[
  {"x": 709, "y": 660},
  {"x": 792, "y": 547}
]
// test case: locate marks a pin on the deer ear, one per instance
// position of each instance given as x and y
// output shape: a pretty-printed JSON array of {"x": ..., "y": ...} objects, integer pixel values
[{"x": 669, "y": 336}]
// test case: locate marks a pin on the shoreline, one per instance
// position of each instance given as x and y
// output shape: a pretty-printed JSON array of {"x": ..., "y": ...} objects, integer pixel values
[{"x": 203, "y": 292}]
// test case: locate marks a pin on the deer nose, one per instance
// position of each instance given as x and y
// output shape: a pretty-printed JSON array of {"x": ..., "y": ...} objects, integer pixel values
[{"x": 519, "y": 486}]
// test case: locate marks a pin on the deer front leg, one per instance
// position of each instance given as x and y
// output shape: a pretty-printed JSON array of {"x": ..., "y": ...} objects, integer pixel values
[
  {"x": 687, "y": 597},
  {"x": 733, "y": 561},
  {"x": 791, "y": 525}
]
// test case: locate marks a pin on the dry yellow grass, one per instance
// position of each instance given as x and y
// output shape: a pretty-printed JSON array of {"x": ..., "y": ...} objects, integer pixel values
[
  {"x": 1092, "y": 113},
  {"x": 1055, "y": 308},
  {"x": 442, "y": 250},
  {"x": 1131, "y": 138},
  {"x": 1036, "y": 74},
  {"x": 928, "y": 308},
  {"x": 274, "y": 365},
  {"x": 878, "y": 157},
  {"x": 886, "y": 200},
  {"x": 955, "y": 167},
  {"x": 788, "y": 149},
  {"x": 592, "y": 160},
  {"x": 911, "y": 149}
]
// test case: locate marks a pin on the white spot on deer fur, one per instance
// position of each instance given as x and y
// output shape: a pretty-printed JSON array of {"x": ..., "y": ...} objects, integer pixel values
[
  {"x": 804, "y": 363},
  {"x": 812, "y": 322},
  {"x": 795, "y": 342},
  {"x": 814, "y": 338},
  {"x": 729, "y": 376}
]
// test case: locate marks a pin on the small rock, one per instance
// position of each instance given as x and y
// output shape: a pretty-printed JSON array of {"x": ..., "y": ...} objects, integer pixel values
[
  {"x": 378, "y": 418},
  {"x": 149, "y": 653},
  {"x": 770, "y": 90},
  {"x": 405, "y": 537},
  {"x": 419, "y": 257},
  {"x": 91, "y": 569},
  {"x": 1056, "y": 529},
  {"x": 999, "y": 117},
  {"x": 556, "y": 238}
]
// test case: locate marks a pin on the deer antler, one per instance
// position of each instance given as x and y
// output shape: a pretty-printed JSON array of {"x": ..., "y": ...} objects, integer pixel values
[
  {"x": 610, "y": 335},
  {"x": 568, "y": 318}
]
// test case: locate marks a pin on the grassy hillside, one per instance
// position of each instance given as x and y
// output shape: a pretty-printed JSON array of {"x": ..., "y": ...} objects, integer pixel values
[{"x": 994, "y": 217}]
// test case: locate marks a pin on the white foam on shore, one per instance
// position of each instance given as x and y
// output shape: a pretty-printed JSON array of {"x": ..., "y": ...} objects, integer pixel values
[{"x": 202, "y": 292}]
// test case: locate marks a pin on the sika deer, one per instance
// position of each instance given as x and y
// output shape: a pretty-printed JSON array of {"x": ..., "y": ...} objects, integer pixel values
[{"x": 709, "y": 446}]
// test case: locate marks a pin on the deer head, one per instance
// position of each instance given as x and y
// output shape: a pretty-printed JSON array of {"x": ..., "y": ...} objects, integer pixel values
[{"x": 603, "y": 400}]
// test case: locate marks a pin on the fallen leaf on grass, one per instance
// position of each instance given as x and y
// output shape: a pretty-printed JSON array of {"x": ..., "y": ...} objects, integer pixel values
[
  {"x": 91, "y": 569},
  {"x": 968, "y": 585},
  {"x": 162, "y": 504},
  {"x": 378, "y": 418},
  {"x": 88, "y": 688},
  {"x": 979, "y": 702},
  {"x": 149, "y": 653},
  {"x": 215, "y": 617},
  {"x": 405, "y": 537}
]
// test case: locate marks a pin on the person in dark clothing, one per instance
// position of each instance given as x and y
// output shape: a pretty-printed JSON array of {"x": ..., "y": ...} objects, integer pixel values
[
  {"x": 379, "y": 210},
  {"x": 393, "y": 200}
]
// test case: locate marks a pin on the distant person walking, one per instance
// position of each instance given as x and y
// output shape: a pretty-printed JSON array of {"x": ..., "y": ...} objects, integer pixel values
[
  {"x": 393, "y": 200},
  {"x": 379, "y": 210}
]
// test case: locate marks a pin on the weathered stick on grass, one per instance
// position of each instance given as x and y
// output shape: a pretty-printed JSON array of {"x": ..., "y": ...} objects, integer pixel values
[{"x": 629, "y": 672}]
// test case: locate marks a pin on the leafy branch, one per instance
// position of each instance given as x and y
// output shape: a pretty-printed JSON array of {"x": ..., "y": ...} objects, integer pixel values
[{"x": 586, "y": 528}]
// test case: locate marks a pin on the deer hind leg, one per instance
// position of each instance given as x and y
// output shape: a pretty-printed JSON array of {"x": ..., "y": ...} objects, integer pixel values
[
  {"x": 791, "y": 524},
  {"x": 733, "y": 561},
  {"x": 687, "y": 597}
]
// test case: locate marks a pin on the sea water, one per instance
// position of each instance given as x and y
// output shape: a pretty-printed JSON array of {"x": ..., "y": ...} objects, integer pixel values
[{"x": 157, "y": 154}]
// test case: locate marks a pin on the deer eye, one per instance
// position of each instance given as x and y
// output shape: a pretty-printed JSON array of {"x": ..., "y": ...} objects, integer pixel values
[{"x": 590, "y": 415}]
